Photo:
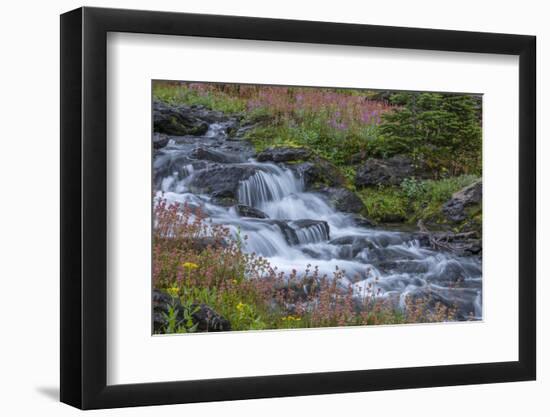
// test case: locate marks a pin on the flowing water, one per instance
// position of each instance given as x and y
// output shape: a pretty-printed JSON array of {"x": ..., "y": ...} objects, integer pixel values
[{"x": 303, "y": 229}]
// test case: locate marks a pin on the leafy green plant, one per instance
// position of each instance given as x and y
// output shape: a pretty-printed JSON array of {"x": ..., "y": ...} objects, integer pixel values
[{"x": 175, "y": 324}]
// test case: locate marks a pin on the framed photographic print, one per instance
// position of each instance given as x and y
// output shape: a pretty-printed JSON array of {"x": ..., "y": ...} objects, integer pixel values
[{"x": 257, "y": 208}]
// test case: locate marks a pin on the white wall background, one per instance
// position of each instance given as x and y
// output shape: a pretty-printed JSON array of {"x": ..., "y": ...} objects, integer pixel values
[{"x": 29, "y": 225}]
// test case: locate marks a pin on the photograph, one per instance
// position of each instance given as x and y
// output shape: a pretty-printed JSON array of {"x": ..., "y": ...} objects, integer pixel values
[{"x": 289, "y": 207}]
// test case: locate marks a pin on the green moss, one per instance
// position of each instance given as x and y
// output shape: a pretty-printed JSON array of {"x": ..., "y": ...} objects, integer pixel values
[
  {"x": 473, "y": 221},
  {"x": 416, "y": 200},
  {"x": 385, "y": 204}
]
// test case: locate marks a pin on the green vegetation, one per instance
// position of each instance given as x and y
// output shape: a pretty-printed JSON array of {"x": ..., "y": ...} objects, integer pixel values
[
  {"x": 413, "y": 200},
  {"x": 174, "y": 93},
  {"x": 337, "y": 124},
  {"x": 440, "y": 132}
]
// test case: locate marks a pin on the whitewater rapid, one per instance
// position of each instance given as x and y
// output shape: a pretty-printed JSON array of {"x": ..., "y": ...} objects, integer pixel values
[{"x": 392, "y": 260}]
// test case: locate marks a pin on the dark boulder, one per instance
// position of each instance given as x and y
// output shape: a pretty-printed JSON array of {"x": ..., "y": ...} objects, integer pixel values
[
  {"x": 209, "y": 154},
  {"x": 454, "y": 209},
  {"x": 177, "y": 120},
  {"x": 343, "y": 199},
  {"x": 203, "y": 317},
  {"x": 391, "y": 171},
  {"x": 247, "y": 211},
  {"x": 284, "y": 154},
  {"x": 161, "y": 304},
  {"x": 221, "y": 181},
  {"x": 319, "y": 173},
  {"x": 207, "y": 320}
]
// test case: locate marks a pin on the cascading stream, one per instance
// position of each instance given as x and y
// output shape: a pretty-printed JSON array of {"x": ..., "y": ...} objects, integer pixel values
[{"x": 303, "y": 229}]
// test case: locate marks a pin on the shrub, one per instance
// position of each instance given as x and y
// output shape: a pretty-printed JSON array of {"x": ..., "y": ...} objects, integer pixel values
[{"x": 442, "y": 130}]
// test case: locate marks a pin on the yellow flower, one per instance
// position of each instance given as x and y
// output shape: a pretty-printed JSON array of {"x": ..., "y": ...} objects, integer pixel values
[
  {"x": 234, "y": 281},
  {"x": 240, "y": 306},
  {"x": 291, "y": 318},
  {"x": 173, "y": 291},
  {"x": 190, "y": 265}
]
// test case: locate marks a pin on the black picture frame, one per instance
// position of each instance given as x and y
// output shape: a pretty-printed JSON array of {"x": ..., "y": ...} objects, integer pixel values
[{"x": 84, "y": 207}]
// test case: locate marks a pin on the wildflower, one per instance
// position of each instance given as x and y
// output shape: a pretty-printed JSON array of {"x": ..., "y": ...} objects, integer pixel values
[
  {"x": 234, "y": 281},
  {"x": 240, "y": 306},
  {"x": 190, "y": 265},
  {"x": 173, "y": 291}
]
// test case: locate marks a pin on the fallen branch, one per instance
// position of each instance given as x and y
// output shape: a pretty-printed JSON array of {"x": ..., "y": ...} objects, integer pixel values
[{"x": 446, "y": 240}]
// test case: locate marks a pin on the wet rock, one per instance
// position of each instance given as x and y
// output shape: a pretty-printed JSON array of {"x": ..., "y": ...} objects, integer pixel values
[
  {"x": 450, "y": 272},
  {"x": 300, "y": 231},
  {"x": 343, "y": 199},
  {"x": 474, "y": 248},
  {"x": 247, "y": 211},
  {"x": 310, "y": 231},
  {"x": 380, "y": 255},
  {"x": 225, "y": 201},
  {"x": 221, "y": 181},
  {"x": 454, "y": 209},
  {"x": 177, "y": 120},
  {"x": 207, "y": 320},
  {"x": 160, "y": 140},
  {"x": 214, "y": 155},
  {"x": 351, "y": 246},
  {"x": 391, "y": 171},
  {"x": 305, "y": 223},
  {"x": 284, "y": 154},
  {"x": 312, "y": 253},
  {"x": 288, "y": 232},
  {"x": 402, "y": 267},
  {"x": 241, "y": 149},
  {"x": 459, "y": 302}
]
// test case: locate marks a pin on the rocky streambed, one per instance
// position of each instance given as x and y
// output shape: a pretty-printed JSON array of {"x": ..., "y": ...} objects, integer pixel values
[{"x": 295, "y": 210}]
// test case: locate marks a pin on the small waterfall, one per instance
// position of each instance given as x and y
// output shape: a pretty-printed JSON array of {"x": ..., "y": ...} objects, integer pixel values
[
  {"x": 318, "y": 232},
  {"x": 265, "y": 186},
  {"x": 216, "y": 130}
]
